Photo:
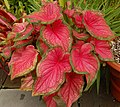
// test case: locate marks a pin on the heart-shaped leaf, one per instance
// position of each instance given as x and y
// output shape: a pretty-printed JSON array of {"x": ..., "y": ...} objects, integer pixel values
[
  {"x": 23, "y": 61},
  {"x": 103, "y": 49},
  {"x": 50, "y": 71},
  {"x": 96, "y": 25},
  {"x": 72, "y": 89},
  {"x": 49, "y": 13},
  {"x": 57, "y": 34},
  {"x": 85, "y": 62}
]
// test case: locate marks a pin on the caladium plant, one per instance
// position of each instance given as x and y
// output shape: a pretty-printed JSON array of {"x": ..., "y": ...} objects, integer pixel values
[{"x": 56, "y": 51}]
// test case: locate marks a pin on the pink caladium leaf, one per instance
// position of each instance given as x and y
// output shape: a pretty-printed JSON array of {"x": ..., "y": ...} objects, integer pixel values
[
  {"x": 27, "y": 83},
  {"x": 80, "y": 36},
  {"x": 50, "y": 71},
  {"x": 57, "y": 34},
  {"x": 8, "y": 16},
  {"x": 72, "y": 89},
  {"x": 19, "y": 27},
  {"x": 78, "y": 45},
  {"x": 23, "y": 61},
  {"x": 49, "y": 13},
  {"x": 50, "y": 102},
  {"x": 41, "y": 46},
  {"x": 6, "y": 52},
  {"x": 90, "y": 78},
  {"x": 78, "y": 20},
  {"x": 103, "y": 49},
  {"x": 11, "y": 35},
  {"x": 69, "y": 12},
  {"x": 85, "y": 62},
  {"x": 21, "y": 43},
  {"x": 96, "y": 25},
  {"x": 5, "y": 23},
  {"x": 37, "y": 28},
  {"x": 23, "y": 30}
]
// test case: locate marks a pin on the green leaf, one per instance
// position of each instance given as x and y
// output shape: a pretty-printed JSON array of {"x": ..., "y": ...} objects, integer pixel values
[
  {"x": 98, "y": 82},
  {"x": 7, "y": 4},
  {"x": 113, "y": 14},
  {"x": 62, "y": 3}
]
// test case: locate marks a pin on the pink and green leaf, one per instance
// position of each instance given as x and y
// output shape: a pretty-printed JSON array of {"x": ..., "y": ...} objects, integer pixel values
[
  {"x": 72, "y": 88},
  {"x": 83, "y": 61},
  {"x": 50, "y": 71},
  {"x": 50, "y": 102},
  {"x": 41, "y": 46},
  {"x": 6, "y": 52},
  {"x": 23, "y": 30},
  {"x": 80, "y": 36},
  {"x": 5, "y": 23},
  {"x": 9, "y": 17},
  {"x": 23, "y": 61},
  {"x": 103, "y": 49},
  {"x": 96, "y": 25},
  {"x": 69, "y": 12},
  {"x": 21, "y": 43},
  {"x": 57, "y": 34},
  {"x": 78, "y": 20},
  {"x": 49, "y": 13},
  {"x": 27, "y": 83}
]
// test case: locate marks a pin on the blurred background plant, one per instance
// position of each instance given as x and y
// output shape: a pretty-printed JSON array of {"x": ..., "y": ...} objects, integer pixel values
[{"x": 18, "y": 7}]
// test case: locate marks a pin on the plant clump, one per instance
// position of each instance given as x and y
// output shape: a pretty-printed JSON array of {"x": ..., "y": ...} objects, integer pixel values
[{"x": 56, "y": 51}]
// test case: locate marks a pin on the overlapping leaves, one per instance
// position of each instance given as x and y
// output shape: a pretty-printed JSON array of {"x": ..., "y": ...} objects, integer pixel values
[
  {"x": 57, "y": 34},
  {"x": 50, "y": 71},
  {"x": 42, "y": 41}
]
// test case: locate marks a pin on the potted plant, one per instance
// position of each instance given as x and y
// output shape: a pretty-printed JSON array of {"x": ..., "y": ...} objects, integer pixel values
[
  {"x": 56, "y": 50},
  {"x": 115, "y": 69}
]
